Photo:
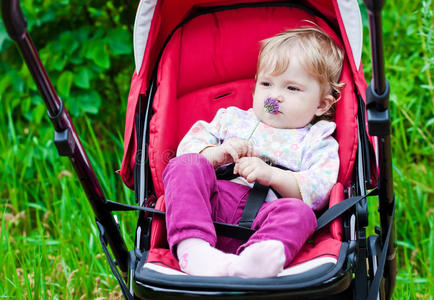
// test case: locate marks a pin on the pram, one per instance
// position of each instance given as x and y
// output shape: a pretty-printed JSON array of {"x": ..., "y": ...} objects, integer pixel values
[{"x": 193, "y": 57}]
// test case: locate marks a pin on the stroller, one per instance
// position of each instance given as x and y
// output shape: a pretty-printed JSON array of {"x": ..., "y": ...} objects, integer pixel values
[{"x": 194, "y": 57}]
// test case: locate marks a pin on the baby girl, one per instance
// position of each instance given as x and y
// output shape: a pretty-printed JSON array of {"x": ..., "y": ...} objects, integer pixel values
[{"x": 298, "y": 73}]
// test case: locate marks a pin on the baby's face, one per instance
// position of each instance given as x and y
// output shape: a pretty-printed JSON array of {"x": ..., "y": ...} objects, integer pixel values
[{"x": 297, "y": 92}]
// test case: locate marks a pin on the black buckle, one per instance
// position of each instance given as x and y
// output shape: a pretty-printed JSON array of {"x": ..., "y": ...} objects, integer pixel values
[
  {"x": 377, "y": 111},
  {"x": 64, "y": 142}
]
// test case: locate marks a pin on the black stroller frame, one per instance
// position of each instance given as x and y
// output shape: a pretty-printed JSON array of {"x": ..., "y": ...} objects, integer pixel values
[{"x": 378, "y": 249}]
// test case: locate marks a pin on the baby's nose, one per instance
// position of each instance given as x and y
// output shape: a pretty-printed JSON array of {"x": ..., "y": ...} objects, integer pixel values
[
  {"x": 278, "y": 96},
  {"x": 275, "y": 96},
  {"x": 278, "y": 99}
]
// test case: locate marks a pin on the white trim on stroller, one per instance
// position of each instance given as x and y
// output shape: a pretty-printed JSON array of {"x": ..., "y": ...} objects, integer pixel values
[
  {"x": 352, "y": 19},
  {"x": 349, "y": 11},
  {"x": 298, "y": 269},
  {"x": 142, "y": 24}
]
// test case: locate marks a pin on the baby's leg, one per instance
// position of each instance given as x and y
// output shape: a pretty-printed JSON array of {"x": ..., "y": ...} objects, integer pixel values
[
  {"x": 283, "y": 226},
  {"x": 197, "y": 257},
  {"x": 190, "y": 196},
  {"x": 192, "y": 199}
]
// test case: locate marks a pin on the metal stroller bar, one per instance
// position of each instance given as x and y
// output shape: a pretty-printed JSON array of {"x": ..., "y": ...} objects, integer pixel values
[
  {"x": 65, "y": 137},
  {"x": 377, "y": 95}
]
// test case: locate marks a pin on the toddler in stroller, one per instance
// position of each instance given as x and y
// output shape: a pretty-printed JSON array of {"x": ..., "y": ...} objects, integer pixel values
[{"x": 287, "y": 146}]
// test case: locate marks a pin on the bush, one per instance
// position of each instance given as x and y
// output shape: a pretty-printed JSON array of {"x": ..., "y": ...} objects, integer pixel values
[{"x": 86, "y": 48}]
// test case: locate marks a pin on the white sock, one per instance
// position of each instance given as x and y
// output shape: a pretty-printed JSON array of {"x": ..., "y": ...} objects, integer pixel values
[
  {"x": 197, "y": 257},
  {"x": 259, "y": 260}
]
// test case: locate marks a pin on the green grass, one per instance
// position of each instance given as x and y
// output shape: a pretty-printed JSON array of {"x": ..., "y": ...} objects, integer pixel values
[
  {"x": 48, "y": 237},
  {"x": 49, "y": 246},
  {"x": 409, "y": 64}
]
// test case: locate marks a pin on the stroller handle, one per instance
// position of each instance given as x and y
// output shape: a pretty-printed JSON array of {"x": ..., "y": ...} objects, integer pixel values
[
  {"x": 16, "y": 24},
  {"x": 378, "y": 115},
  {"x": 65, "y": 136}
]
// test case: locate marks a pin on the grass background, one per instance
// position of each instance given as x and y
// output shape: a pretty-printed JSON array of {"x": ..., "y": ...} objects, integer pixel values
[{"x": 49, "y": 247}]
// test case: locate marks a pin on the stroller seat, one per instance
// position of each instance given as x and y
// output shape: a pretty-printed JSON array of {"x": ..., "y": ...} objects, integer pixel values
[
  {"x": 317, "y": 257},
  {"x": 209, "y": 63}
]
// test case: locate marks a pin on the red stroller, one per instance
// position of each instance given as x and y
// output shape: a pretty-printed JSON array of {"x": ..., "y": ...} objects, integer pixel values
[{"x": 194, "y": 57}]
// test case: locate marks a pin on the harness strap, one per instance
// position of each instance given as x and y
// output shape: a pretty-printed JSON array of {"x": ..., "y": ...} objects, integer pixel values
[
  {"x": 223, "y": 229},
  {"x": 243, "y": 232},
  {"x": 338, "y": 209},
  {"x": 256, "y": 198}
]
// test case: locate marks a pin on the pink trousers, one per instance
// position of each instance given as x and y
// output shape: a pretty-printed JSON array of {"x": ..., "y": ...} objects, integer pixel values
[{"x": 195, "y": 198}]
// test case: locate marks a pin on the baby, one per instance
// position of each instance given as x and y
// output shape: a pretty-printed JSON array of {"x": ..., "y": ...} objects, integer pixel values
[{"x": 298, "y": 71}]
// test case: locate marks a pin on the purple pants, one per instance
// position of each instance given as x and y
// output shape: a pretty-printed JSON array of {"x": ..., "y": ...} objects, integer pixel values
[{"x": 195, "y": 198}]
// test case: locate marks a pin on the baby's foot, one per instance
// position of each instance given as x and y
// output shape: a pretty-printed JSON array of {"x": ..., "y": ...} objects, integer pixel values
[
  {"x": 259, "y": 260},
  {"x": 197, "y": 257}
]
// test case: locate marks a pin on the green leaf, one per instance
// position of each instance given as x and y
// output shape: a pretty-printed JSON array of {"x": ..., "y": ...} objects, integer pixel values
[
  {"x": 64, "y": 83},
  {"x": 5, "y": 82},
  {"x": 83, "y": 77},
  {"x": 38, "y": 113},
  {"x": 119, "y": 41},
  {"x": 69, "y": 42},
  {"x": 17, "y": 83},
  {"x": 89, "y": 102},
  {"x": 54, "y": 61},
  {"x": 100, "y": 55},
  {"x": 3, "y": 37}
]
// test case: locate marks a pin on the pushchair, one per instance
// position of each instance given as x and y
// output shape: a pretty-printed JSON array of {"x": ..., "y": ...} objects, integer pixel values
[{"x": 194, "y": 57}]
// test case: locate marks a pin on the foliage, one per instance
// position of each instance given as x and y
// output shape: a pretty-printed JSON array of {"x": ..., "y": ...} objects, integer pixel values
[
  {"x": 89, "y": 59},
  {"x": 408, "y": 47},
  {"x": 48, "y": 237}
]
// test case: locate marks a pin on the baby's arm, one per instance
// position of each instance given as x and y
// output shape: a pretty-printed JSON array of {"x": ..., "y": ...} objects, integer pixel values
[
  {"x": 229, "y": 151},
  {"x": 313, "y": 182},
  {"x": 284, "y": 182}
]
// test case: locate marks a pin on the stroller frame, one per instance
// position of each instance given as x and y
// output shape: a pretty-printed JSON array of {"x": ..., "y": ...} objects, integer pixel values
[{"x": 378, "y": 120}]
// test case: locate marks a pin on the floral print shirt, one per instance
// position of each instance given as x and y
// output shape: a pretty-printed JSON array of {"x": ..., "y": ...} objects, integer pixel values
[{"x": 311, "y": 153}]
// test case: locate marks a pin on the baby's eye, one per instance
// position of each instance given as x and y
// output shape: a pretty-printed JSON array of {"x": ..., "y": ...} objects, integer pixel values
[
  {"x": 293, "y": 88},
  {"x": 265, "y": 83}
]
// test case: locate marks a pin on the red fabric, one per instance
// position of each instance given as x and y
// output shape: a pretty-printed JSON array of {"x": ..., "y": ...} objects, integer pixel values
[
  {"x": 173, "y": 11},
  {"x": 163, "y": 258},
  {"x": 199, "y": 74},
  {"x": 216, "y": 54},
  {"x": 130, "y": 145},
  {"x": 158, "y": 228},
  {"x": 322, "y": 245},
  {"x": 336, "y": 196},
  {"x": 325, "y": 243}
]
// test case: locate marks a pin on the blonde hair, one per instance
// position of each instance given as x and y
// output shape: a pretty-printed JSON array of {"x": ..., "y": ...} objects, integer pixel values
[{"x": 319, "y": 55}]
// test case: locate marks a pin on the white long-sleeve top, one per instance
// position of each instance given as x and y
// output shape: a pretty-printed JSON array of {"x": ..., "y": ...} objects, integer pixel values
[{"x": 311, "y": 153}]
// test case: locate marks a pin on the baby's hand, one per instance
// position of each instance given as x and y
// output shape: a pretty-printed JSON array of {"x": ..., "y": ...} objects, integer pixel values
[
  {"x": 230, "y": 151},
  {"x": 254, "y": 169},
  {"x": 235, "y": 148}
]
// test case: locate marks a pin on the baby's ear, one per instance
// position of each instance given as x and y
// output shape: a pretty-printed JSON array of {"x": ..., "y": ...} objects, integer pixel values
[{"x": 325, "y": 104}]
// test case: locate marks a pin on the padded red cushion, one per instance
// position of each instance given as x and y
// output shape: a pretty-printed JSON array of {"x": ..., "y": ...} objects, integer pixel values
[
  {"x": 321, "y": 246},
  {"x": 215, "y": 55}
]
